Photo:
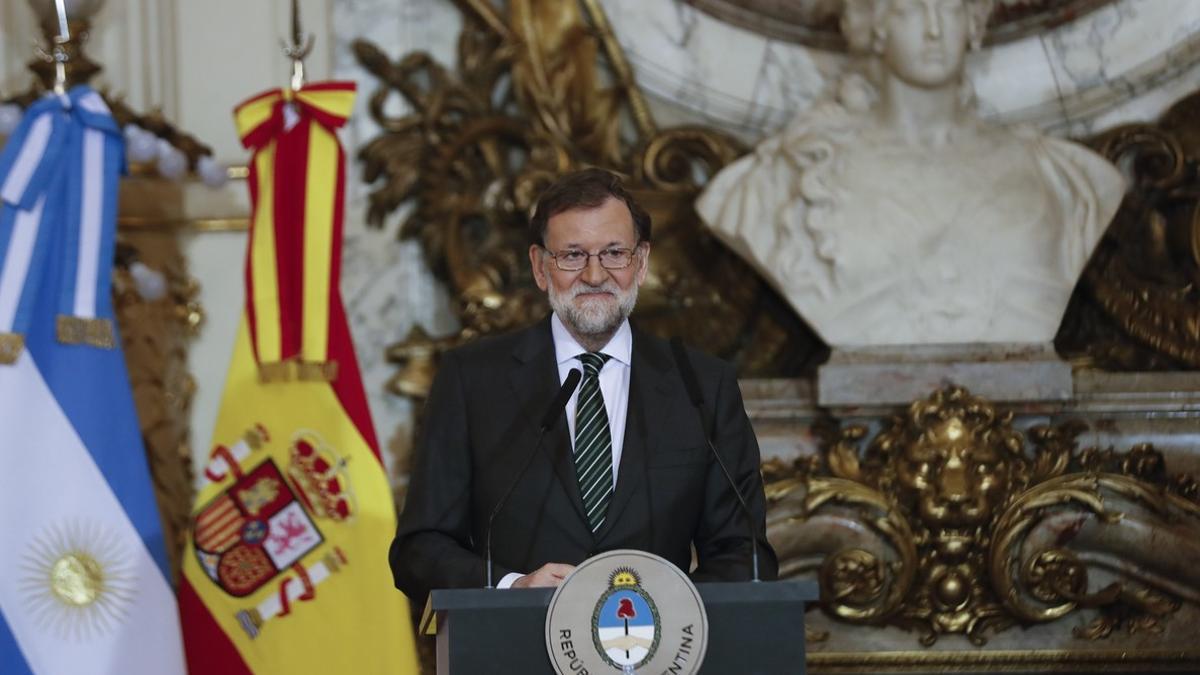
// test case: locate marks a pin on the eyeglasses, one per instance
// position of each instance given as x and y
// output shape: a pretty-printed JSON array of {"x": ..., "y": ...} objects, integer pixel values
[{"x": 573, "y": 259}]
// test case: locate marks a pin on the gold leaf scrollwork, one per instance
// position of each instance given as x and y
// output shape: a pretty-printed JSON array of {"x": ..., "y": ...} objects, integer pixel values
[
  {"x": 843, "y": 455},
  {"x": 853, "y": 576},
  {"x": 857, "y": 584},
  {"x": 1057, "y": 574},
  {"x": 1136, "y": 306},
  {"x": 950, "y": 521}
]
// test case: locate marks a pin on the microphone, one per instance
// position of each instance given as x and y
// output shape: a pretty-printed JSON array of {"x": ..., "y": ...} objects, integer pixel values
[
  {"x": 564, "y": 394},
  {"x": 553, "y": 412},
  {"x": 697, "y": 396}
]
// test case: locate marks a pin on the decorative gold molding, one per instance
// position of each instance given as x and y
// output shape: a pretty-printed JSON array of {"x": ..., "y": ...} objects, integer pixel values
[
  {"x": 956, "y": 523},
  {"x": 1138, "y": 306}
]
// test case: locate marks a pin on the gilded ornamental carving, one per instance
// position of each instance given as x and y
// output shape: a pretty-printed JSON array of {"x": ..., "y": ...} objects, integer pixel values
[
  {"x": 1138, "y": 307},
  {"x": 951, "y": 521}
]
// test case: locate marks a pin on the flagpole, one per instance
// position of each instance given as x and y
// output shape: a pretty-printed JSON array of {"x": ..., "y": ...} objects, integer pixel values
[
  {"x": 59, "y": 54},
  {"x": 297, "y": 48}
]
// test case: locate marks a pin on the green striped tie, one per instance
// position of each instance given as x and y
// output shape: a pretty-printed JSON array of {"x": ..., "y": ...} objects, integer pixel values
[{"x": 593, "y": 442}]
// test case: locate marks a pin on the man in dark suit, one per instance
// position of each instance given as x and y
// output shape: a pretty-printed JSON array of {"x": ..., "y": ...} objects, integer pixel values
[{"x": 626, "y": 466}]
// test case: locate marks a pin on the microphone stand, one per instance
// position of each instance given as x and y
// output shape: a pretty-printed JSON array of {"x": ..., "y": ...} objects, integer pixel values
[
  {"x": 694, "y": 393},
  {"x": 553, "y": 412}
]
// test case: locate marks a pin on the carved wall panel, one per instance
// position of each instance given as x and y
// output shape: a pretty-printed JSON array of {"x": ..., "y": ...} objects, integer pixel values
[
  {"x": 1140, "y": 426},
  {"x": 949, "y": 522}
]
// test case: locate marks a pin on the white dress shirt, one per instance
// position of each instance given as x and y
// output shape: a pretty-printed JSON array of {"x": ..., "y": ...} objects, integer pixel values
[
  {"x": 614, "y": 387},
  {"x": 614, "y": 380}
]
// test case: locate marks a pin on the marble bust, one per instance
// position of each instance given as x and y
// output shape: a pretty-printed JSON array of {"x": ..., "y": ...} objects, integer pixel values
[{"x": 891, "y": 214}]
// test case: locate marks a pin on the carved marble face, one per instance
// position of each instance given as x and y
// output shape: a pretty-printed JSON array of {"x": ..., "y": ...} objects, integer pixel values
[
  {"x": 924, "y": 42},
  {"x": 957, "y": 476}
]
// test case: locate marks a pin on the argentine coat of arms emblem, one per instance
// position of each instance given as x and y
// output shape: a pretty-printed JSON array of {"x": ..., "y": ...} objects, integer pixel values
[
  {"x": 625, "y": 626},
  {"x": 626, "y": 611}
]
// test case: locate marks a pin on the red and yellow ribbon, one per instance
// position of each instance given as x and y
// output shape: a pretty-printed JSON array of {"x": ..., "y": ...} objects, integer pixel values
[{"x": 294, "y": 257}]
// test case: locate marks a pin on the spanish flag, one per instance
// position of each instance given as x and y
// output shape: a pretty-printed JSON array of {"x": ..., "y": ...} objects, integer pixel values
[{"x": 286, "y": 567}]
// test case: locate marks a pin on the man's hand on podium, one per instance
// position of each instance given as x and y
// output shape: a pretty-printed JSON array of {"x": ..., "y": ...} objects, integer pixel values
[{"x": 548, "y": 575}]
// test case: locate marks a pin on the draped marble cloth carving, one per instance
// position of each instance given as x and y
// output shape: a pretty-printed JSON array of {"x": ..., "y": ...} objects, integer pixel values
[
  {"x": 884, "y": 223},
  {"x": 283, "y": 557},
  {"x": 1005, "y": 219}
]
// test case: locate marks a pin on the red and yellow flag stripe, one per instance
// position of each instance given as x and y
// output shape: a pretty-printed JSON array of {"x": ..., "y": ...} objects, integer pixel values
[{"x": 297, "y": 183}]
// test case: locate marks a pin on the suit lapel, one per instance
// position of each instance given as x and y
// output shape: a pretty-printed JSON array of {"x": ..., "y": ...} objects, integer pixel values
[
  {"x": 534, "y": 378},
  {"x": 647, "y": 390}
]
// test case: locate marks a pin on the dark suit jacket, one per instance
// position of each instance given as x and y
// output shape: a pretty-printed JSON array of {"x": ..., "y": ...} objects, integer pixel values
[{"x": 481, "y": 422}]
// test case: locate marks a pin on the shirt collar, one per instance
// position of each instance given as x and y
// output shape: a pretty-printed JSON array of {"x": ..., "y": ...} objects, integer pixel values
[{"x": 566, "y": 348}]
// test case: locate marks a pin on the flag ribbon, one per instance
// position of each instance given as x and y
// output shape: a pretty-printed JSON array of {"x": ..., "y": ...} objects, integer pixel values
[
  {"x": 58, "y": 195},
  {"x": 294, "y": 257}
]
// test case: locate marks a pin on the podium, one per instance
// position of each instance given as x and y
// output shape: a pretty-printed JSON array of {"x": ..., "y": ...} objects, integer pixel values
[{"x": 754, "y": 628}]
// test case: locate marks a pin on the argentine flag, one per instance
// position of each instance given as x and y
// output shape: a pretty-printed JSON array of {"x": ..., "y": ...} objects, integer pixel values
[{"x": 83, "y": 571}]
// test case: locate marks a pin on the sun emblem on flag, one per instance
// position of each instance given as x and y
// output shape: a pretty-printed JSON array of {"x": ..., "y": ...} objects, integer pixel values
[
  {"x": 625, "y": 625},
  {"x": 77, "y": 580}
]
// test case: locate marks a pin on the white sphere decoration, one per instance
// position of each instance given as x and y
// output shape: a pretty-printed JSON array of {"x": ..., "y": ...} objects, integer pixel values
[
  {"x": 211, "y": 171},
  {"x": 140, "y": 145},
  {"x": 150, "y": 283},
  {"x": 172, "y": 163},
  {"x": 10, "y": 117}
]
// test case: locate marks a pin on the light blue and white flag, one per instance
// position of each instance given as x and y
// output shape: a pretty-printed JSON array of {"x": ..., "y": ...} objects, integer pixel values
[{"x": 83, "y": 572}]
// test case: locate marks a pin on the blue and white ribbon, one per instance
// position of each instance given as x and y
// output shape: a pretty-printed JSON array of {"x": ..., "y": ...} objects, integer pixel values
[{"x": 58, "y": 196}]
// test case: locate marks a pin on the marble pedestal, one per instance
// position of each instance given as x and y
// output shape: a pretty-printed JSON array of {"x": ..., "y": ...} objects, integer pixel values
[{"x": 892, "y": 376}]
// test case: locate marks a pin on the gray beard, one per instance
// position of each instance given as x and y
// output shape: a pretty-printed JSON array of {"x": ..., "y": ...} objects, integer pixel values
[{"x": 595, "y": 321}]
